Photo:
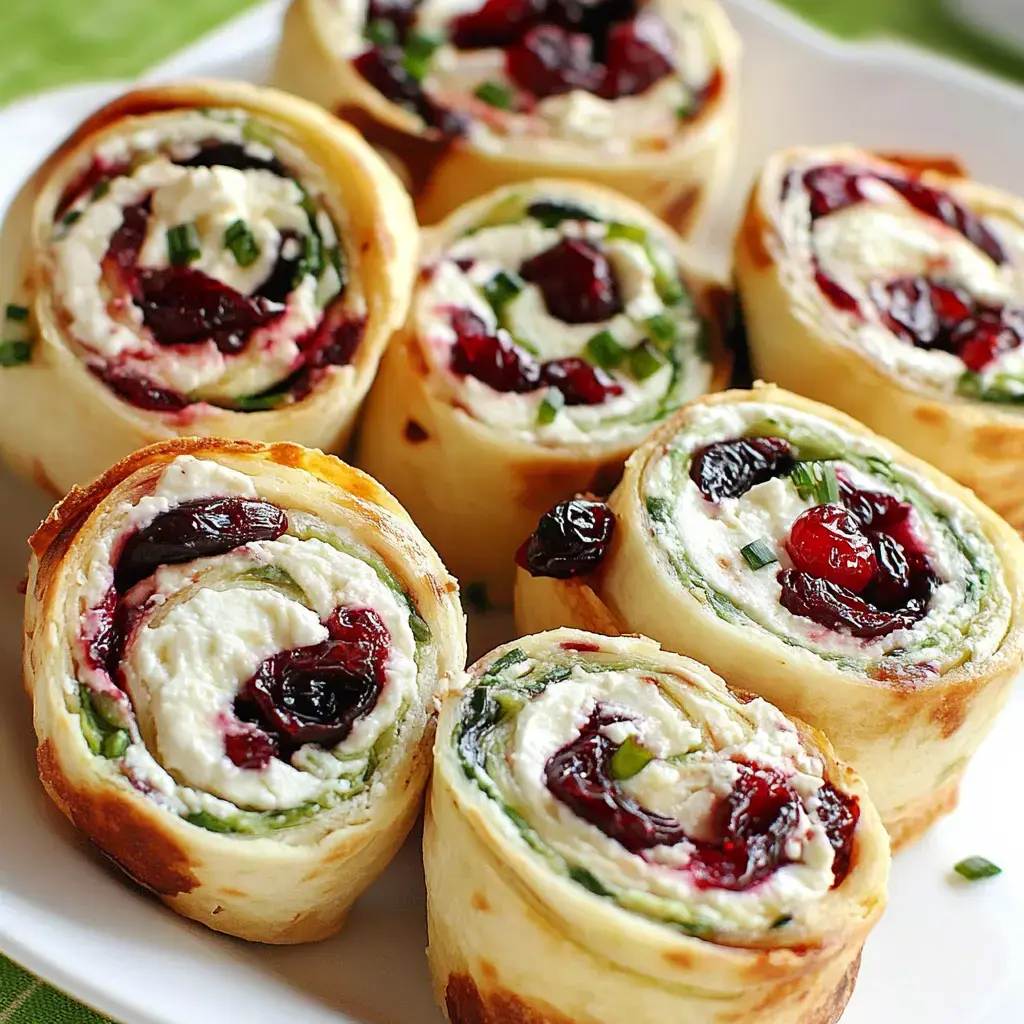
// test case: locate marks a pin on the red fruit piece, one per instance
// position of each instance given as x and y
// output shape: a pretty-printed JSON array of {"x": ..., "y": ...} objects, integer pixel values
[
  {"x": 577, "y": 281},
  {"x": 550, "y": 61},
  {"x": 140, "y": 392},
  {"x": 497, "y": 23},
  {"x": 247, "y": 746},
  {"x": 922, "y": 311},
  {"x": 638, "y": 54},
  {"x": 826, "y": 541},
  {"x": 839, "y": 815},
  {"x": 230, "y": 154},
  {"x": 570, "y": 540},
  {"x": 836, "y": 293},
  {"x": 833, "y": 187},
  {"x": 984, "y": 339},
  {"x": 580, "y": 382},
  {"x": 728, "y": 469},
  {"x": 493, "y": 358},
  {"x": 875, "y": 510}
]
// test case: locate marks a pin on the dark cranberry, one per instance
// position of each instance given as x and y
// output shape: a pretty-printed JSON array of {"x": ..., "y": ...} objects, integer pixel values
[
  {"x": 570, "y": 540},
  {"x": 230, "y": 154},
  {"x": 248, "y": 746},
  {"x": 140, "y": 392},
  {"x": 98, "y": 171},
  {"x": 398, "y": 13},
  {"x": 316, "y": 694},
  {"x": 126, "y": 243},
  {"x": 833, "y": 187},
  {"x": 840, "y": 609},
  {"x": 839, "y": 815},
  {"x": 639, "y": 53},
  {"x": 497, "y": 23},
  {"x": 491, "y": 357},
  {"x": 594, "y": 18},
  {"x": 196, "y": 529},
  {"x": 336, "y": 341},
  {"x": 875, "y": 510},
  {"x": 826, "y": 541},
  {"x": 979, "y": 342},
  {"x": 890, "y": 588},
  {"x": 182, "y": 306},
  {"x": 728, "y": 469},
  {"x": 836, "y": 293},
  {"x": 577, "y": 281},
  {"x": 580, "y": 382},
  {"x": 550, "y": 61},
  {"x": 921, "y": 311},
  {"x": 283, "y": 278}
]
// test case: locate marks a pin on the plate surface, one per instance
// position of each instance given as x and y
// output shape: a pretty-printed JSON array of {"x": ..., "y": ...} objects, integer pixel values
[{"x": 945, "y": 953}]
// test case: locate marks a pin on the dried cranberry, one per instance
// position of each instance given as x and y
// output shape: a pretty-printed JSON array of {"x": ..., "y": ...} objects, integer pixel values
[
  {"x": 839, "y": 814},
  {"x": 890, "y": 588},
  {"x": 550, "y": 61},
  {"x": 196, "y": 529},
  {"x": 594, "y": 18},
  {"x": 580, "y": 382},
  {"x": 639, "y": 53},
  {"x": 836, "y": 293},
  {"x": 284, "y": 275},
  {"x": 833, "y": 187},
  {"x": 248, "y": 746},
  {"x": 979, "y": 342},
  {"x": 316, "y": 694},
  {"x": 577, "y": 281},
  {"x": 728, "y": 469},
  {"x": 142, "y": 393},
  {"x": 875, "y": 510},
  {"x": 921, "y": 311},
  {"x": 497, "y": 23},
  {"x": 126, "y": 243},
  {"x": 98, "y": 171},
  {"x": 182, "y": 306},
  {"x": 230, "y": 154},
  {"x": 491, "y": 357},
  {"x": 570, "y": 540},
  {"x": 335, "y": 341},
  {"x": 826, "y": 541}
]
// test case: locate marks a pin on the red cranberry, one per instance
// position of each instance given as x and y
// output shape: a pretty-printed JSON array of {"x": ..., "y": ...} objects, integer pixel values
[
  {"x": 826, "y": 541},
  {"x": 140, "y": 392},
  {"x": 833, "y": 187},
  {"x": 126, "y": 243},
  {"x": 550, "y": 61},
  {"x": 492, "y": 358},
  {"x": 639, "y": 53},
  {"x": 98, "y": 171},
  {"x": 196, "y": 529},
  {"x": 497, "y": 23},
  {"x": 921, "y": 311},
  {"x": 580, "y": 382},
  {"x": 984, "y": 340},
  {"x": 247, "y": 746},
  {"x": 890, "y": 588},
  {"x": 728, "y": 469},
  {"x": 570, "y": 540},
  {"x": 230, "y": 154},
  {"x": 839, "y": 815},
  {"x": 875, "y": 510},
  {"x": 577, "y": 281},
  {"x": 316, "y": 694},
  {"x": 335, "y": 341},
  {"x": 836, "y": 293}
]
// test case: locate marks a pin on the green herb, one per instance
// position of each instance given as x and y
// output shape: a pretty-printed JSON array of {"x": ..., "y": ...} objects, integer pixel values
[
  {"x": 420, "y": 630},
  {"x": 69, "y": 218},
  {"x": 781, "y": 922},
  {"x": 13, "y": 353},
  {"x": 101, "y": 188},
  {"x": 509, "y": 704},
  {"x": 670, "y": 289},
  {"x": 816, "y": 480},
  {"x": 272, "y": 574},
  {"x": 644, "y": 361},
  {"x": 258, "y": 403},
  {"x": 419, "y": 48},
  {"x": 589, "y": 881},
  {"x": 203, "y": 819},
  {"x": 183, "y": 245},
  {"x": 256, "y": 131},
  {"x": 115, "y": 744},
  {"x": 16, "y": 313},
  {"x": 629, "y": 760},
  {"x": 604, "y": 349},
  {"x": 659, "y": 510},
  {"x": 549, "y": 408},
  {"x": 664, "y": 332},
  {"x": 507, "y": 660},
  {"x": 495, "y": 94},
  {"x": 552, "y": 212},
  {"x": 381, "y": 32},
  {"x": 312, "y": 261},
  {"x": 242, "y": 243},
  {"x": 502, "y": 289},
  {"x": 686, "y": 109},
  {"x": 758, "y": 554},
  {"x": 476, "y": 597},
  {"x": 975, "y": 868},
  {"x": 629, "y": 232}
]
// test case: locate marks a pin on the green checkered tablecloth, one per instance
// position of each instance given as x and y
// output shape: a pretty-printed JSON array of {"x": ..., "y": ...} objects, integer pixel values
[{"x": 46, "y": 43}]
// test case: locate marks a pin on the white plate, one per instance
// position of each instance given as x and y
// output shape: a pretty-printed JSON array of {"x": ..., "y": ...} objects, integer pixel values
[{"x": 945, "y": 953}]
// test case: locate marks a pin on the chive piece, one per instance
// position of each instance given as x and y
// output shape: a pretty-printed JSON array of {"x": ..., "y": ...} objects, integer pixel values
[
  {"x": 830, "y": 483},
  {"x": 101, "y": 188},
  {"x": 686, "y": 110},
  {"x": 381, "y": 32},
  {"x": 758, "y": 554},
  {"x": 581, "y": 876},
  {"x": 14, "y": 353},
  {"x": 420, "y": 630},
  {"x": 604, "y": 349},
  {"x": 509, "y": 704},
  {"x": 16, "y": 312},
  {"x": 258, "y": 132},
  {"x": 644, "y": 361},
  {"x": 629, "y": 760},
  {"x": 115, "y": 744},
  {"x": 495, "y": 94},
  {"x": 476, "y": 597},
  {"x": 658, "y": 509},
  {"x": 419, "y": 48},
  {"x": 183, "y": 245},
  {"x": 502, "y": 289},
  {"x": 663, "y": 331},
  {"x": 257, "y": 403},
  {"x": 203, "y": 819},
  {"x": 629, "y": 232},
  {"x": 507, "y": 660},
  {"x": 242, "y": 243},
  {"x": 89, "y": 722},
  {"x": 312, "y": 261},
  {"x": 69, "y": 218},
  {"x": 552, "y": 212},
  {"x": 782, "y": 921},
  {"x": 975, "y": 868},
  {"x": 553, "y": 402},
  {"x": 816, "y": 480}
]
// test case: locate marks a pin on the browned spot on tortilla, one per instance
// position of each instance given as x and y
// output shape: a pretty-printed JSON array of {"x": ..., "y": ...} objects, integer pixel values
[
  {"x": 951, "y": 710},
  {"x": 489, "y": 971},
  {"x": 917, "y": 163},
  {"x": 754, "y": 231},
  {"x": 466, "y": 1004},
  {"x": 217, "y": 910},
  {"x": 479, "y": 902},
  {"x": 997, "y": 442},
  {"x": 931, "y": 415},
  {"x": 42, "y": 480},
  {"x": 681, "y": 211},
  {"x": 680, "y": 958},
  {"x": 414, "y": 433}
]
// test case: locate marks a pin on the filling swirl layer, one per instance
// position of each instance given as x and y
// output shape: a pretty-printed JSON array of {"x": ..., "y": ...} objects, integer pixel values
[
  {"x": 556, "y": 321},
  {"x": 197, "y": 257},
  {"x": 658, "y": 790},
  {"x": 244, "y": 665}
]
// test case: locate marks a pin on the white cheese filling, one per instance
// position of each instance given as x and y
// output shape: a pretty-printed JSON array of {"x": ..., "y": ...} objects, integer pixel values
[
  {"x": 526, "y": 318},
  {"x": 687, "y": 780},
  {"x": 882, "y": 238},
  {"x": 711, "y": 537}
]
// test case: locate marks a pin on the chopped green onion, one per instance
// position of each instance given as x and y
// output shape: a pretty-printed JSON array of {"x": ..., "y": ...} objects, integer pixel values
[
  {"x": 13, "y": 353},
  {"x": 256, "y": 403},
  {"x": 69, "y": 218},
  {"x": 630, "y": 232},
  {"x": 509, "y": 703},
  {"x": 782, "y": 920},
  {"x": 381, "y": 32},
  {"x": 757, "y": 554},
  {"x": 816, "y": 480},
  {"x": 604, "y": 349},
  {"x": 552, "y": 212},
  {"x": 242, "y": 243},
  {"x": 101, "y": 188},
  {"x": 975, "y": 868},
  {"x": 16, "y": 312},
  {"x": 256, "y": 131},
  {"x": 553, "y": 401},
  {"x": 644, "y": 361},
  {"x": 419, "y": 48},
  {"x": 476, "y": 597},
  {"x": 495, "y": 94},
  {"x": 581, "y": 876},
  {"x": 686, "y": 109},
  {"x": 502, "y": 289},
  {"x": 115, "y": 744},
  {"x": 667, "y": 284},
  {"x": 312, "y": 261},
  {"x": 629, "y": 760},
  {"x": 659, "y": 510},
  {"x": 507, "y": 660},
  {"x": 663, "y": 331},
  {"x": 183, "y": 244},
  {"x": 420, "y": 630}
]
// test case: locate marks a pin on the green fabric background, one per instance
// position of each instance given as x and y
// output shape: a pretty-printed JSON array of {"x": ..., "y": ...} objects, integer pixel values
[{"x": 46, "y": 43}]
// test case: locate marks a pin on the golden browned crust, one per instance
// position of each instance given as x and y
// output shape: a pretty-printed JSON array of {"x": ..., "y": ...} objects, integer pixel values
[
  {"x": 465, "y": 1003},
  {"x": 942, "y": 163},
  {"x": 151, "y": 855}
]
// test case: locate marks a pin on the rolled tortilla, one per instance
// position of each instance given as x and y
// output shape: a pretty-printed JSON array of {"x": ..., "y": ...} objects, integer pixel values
[
  {"x": 204, "y": 258},
  {"x": 232, "y": 651},
  {"x": 893, "y": 289},
  {"x": 436, "y": 88},
  {"x": 614, "y": 834},
  {"x": 847, "y": 582},
  {"x": 554, "y": 324}
]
